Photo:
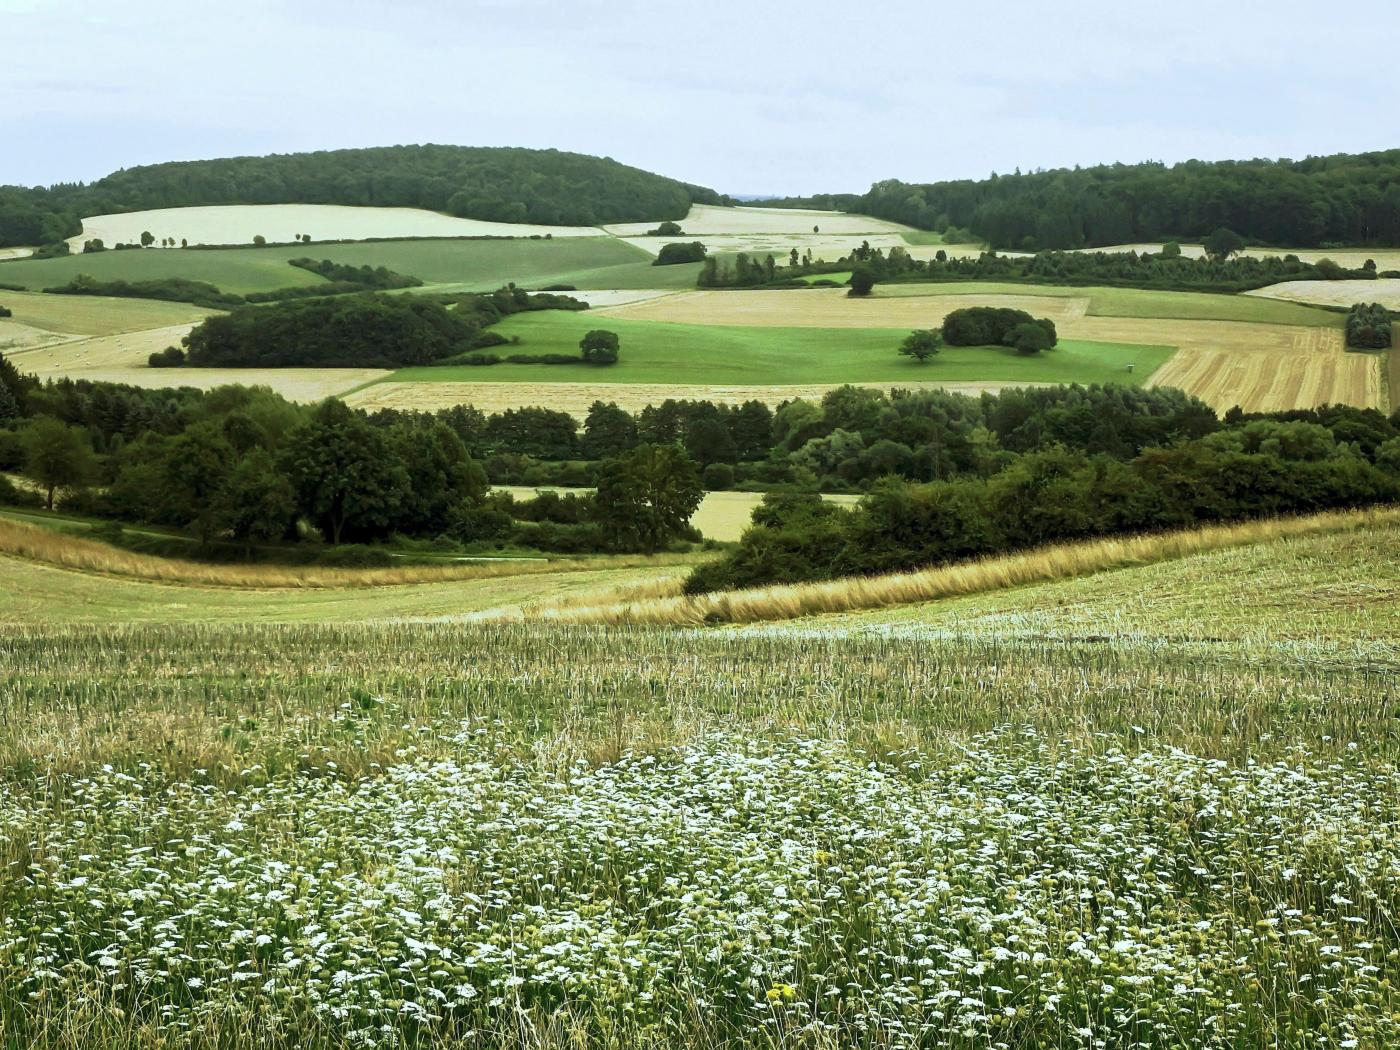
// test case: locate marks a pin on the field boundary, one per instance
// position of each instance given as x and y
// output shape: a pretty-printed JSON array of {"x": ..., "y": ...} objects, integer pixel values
[{"x": 1002, "y": 572}]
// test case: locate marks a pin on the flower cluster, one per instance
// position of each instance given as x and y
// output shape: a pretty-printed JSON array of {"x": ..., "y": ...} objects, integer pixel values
[{"x": 1015, "y": 892}]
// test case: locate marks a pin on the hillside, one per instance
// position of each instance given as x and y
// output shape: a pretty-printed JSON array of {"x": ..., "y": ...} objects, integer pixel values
[
  {"x": 495, "y": 184},
  {"x": 1343, "y": 199}
]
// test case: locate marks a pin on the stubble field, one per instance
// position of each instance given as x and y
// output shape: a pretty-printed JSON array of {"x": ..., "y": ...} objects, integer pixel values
[{"x": 1080, "y": 814}]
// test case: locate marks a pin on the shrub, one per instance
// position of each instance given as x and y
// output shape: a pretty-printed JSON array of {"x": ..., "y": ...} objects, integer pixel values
[
  {"x": 354, "y": 556},
  {"x": 170, "y": 357},
  {"x": 1030, "y": 337},
  {"x": 718, "y": 477},
  {"x": 5, "y": 311},
  {"x": 671, "y": 254}
]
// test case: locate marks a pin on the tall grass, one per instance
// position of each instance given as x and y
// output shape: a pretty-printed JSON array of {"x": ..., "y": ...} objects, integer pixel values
[
  {"x": 854, "y": 593},
  {"x": 67, "y": 551}
]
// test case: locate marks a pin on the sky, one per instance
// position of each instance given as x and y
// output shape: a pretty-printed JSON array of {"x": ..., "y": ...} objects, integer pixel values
[{"x": 771, "y": 97}]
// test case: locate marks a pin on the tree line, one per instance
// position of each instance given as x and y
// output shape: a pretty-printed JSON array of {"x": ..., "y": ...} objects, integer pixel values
[
  {"x": 1251, "y": 468},
  {"x": 243, "y": 468},
  {"x": 546, "y": 187}
]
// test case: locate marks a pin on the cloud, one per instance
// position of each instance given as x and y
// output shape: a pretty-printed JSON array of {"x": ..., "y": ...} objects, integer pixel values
[{"x": 786, "y": 96}]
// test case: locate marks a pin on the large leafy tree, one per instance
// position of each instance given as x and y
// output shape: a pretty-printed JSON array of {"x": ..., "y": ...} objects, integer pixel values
[
  {"x": 922, "y": 344},
  {"x": 647, "y": 498},
  {"x": 56, "y": 456},
  {"x": 345, "y": 474},
  {"x": 257, "y": 503},
  {"x": 195, "y": 467},
  {"x": 443, "y": 480}
]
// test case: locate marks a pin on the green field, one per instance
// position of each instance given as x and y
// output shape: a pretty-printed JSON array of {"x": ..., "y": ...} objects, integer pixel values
[
  {"x": 95, "y": 315},
  {"x": 660, "y": 352},
  {"x": 1138, "y": 302},
  {"x": 1156, "y": 803},
  {"x": 588, "y": 262}
]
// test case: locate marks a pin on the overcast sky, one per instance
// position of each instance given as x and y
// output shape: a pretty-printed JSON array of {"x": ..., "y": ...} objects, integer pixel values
[{"x": 753, "y": 97}]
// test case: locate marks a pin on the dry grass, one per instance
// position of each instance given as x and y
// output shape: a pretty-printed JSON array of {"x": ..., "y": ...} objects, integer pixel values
[
  {"x": 67, "y": 551},
  {"x": 240, "y": 223},
  {"x": 575, "y": 398},
  {"x": 1060, "y": 561}
]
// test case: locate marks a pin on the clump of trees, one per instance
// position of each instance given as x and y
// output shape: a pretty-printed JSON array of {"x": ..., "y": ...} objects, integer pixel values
[
  {"x": 999, "y": 326},
  {"x": 5, "y": 311},
  {"x": 360, "y": 331},
  {"x": 600, "y": 347},
  {"x": 1369, "y": 327},
  {"x": 666, "y": 229},
  {"x": 672, "y": 254},
  {"x": 170, "y": 289}
]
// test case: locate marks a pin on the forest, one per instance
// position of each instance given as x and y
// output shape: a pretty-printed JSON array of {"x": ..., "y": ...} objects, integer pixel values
[
  {"x": 1320, "y": 202},
  {"x": 547, "y": 187}
]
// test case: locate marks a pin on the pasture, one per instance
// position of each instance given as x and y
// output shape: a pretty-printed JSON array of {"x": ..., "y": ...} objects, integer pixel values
[
  {"x": 1162, "y": 799},
  {"x": 742, "y": 354}
]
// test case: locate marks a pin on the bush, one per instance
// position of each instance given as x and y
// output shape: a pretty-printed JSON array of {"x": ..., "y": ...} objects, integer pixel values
[
  {"x": 1030, "y": 337},
  {"x": 671, "y": 254},
  {"x": 718, "y": 476},
  {"x": 666, "y": 229},
  {"x": 5, "y": 311},
  {"x": 170, "y": 357},
  {"x": 354, "y": 556}
]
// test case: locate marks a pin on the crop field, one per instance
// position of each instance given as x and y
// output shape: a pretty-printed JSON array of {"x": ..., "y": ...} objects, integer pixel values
[
  {"x": 1155, "y": 806},
  {"x": 69, "y": 316},
  {"x": 240, "y": 223},
  {"x": 1336, "y": 293}
]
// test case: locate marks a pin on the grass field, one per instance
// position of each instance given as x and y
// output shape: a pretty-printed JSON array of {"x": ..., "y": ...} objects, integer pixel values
[
  {"x": 1154, "y": 806},
  {"x": 598, "y": 262},
  {"x": 660, "y": 352}
]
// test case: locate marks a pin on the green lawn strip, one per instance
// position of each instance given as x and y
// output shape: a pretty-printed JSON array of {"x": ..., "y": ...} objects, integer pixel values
[{"x": 661, "y": 352}]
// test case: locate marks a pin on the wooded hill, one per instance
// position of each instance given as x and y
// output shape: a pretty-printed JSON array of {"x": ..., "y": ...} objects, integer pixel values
[
  {"x": 1343, "y": 199},
  {"x": 503, "y": 184}
]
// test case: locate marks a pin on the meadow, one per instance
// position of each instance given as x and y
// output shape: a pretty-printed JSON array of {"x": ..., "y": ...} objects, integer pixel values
[
  {"x": 1131, "y": 823},
  {"x": 715, "y": 354}
]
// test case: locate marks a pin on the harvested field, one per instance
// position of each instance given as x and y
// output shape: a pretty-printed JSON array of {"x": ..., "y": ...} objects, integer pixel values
[
  {"x": 15, "y": 253},
  {"x": 1262, "y": 381},
  {"x": 705, "y": 219},
  {"x": 122, "y": 350},
  {"x": 239, "y": 224},
  {"x": 576, "y": 398},
  {"x": 1335, "y": 293}
]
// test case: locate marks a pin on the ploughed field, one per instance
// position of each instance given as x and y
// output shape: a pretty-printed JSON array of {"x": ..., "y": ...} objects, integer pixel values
[{"x": 1158, "y": 806}]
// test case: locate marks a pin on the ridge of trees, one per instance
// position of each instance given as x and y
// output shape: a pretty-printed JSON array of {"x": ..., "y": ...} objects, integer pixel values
[
  {"x": 500, "y": 184},
  {"x": 1330, "y": 201}
]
